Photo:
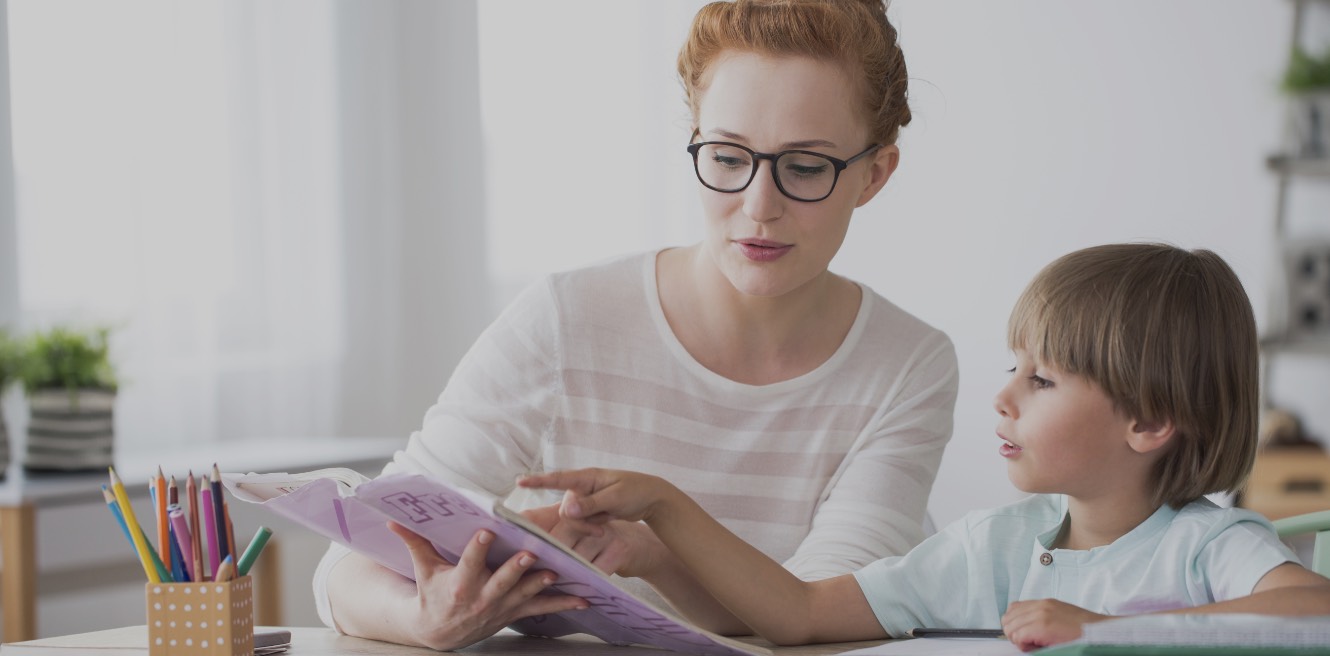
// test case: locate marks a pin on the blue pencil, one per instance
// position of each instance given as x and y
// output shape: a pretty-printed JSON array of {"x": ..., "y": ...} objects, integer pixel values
[
  {"x": 119, "y": 517},
  {"x": 177, "y": 558},
  {"x": 153, "y": 561}
]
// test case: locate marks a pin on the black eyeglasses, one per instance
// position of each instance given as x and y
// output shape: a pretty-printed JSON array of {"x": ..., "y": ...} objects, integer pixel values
[{"x": 801, "y": 175}]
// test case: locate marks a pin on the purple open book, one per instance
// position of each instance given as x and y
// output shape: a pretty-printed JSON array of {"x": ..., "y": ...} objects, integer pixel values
[{"x": 353, "y": 510}]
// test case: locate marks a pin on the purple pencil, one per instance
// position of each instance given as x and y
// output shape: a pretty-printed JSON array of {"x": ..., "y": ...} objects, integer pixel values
[
  {"x": 210, "y": 526},
  {"x": 182, "y": 538}
]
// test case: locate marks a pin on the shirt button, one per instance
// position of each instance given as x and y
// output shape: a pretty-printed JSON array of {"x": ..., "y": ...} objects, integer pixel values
[{"x": 1046, "y": 559}]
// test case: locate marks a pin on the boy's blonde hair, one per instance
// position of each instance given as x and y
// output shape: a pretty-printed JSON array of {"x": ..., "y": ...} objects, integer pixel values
[{"x": 1167, "y": 334}]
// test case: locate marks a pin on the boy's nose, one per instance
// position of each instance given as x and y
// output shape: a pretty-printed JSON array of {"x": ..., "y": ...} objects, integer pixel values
[{"x": 1002, "y": 403}]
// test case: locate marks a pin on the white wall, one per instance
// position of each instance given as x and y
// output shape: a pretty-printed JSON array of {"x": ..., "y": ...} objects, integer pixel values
[{"x": 1042, "y": 127}]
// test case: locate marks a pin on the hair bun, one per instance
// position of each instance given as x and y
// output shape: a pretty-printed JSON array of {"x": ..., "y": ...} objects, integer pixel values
[{"x": 855, "y": 33}]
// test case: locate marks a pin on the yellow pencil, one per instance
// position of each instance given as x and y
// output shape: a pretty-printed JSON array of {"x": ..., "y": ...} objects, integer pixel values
[{"x": 135, "y": 534}]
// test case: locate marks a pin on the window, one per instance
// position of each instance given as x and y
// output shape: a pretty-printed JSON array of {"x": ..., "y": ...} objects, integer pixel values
[{"x": 176, "y": 179}]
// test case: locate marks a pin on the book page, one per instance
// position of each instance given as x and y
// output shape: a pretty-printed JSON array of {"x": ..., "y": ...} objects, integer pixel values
[
  {"x": 262, "y": 487},
  {"x": 449, "y": 517},
  {"x": 1220, "y": 629}
]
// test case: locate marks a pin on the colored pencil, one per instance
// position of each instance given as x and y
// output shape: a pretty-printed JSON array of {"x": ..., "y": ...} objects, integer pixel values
[
  {"x": 115, "y": 510},
  {"x": 178, "y": 573},
  {"x": 252, "y": 551},
  {"x": 162, "y": 573},
  {"x": 225, "y": 571},
  {"x": 182, "y": 539},
  {"x": 210, "y": 529},
  {"x": 172, "y": 501},
  {"x": 163, "y": 527},
  {"x": 132, "y": 525},
  {"x": 196, "y": 558},
  {"x": 219, "y": 513},
  {"x": 230, "y": 530},
  {"x": 120, "y": 519}
]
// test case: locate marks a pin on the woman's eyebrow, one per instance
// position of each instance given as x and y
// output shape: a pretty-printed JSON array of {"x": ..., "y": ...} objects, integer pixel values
[{"x": 791, "y": 145}]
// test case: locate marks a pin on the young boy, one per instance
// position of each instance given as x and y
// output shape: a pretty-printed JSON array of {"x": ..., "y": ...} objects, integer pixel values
[{"x": 1134, "y": 394}]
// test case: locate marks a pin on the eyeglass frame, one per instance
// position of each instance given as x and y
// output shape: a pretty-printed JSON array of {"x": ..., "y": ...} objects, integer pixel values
[{"x": 836, "y": 163}]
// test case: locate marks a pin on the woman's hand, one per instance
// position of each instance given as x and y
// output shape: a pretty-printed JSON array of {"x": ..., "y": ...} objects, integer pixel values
[
  {"x": 457, "y": 605},
  {"x": 1039, "y": 623},
  {"x": 628, "y": 549}
]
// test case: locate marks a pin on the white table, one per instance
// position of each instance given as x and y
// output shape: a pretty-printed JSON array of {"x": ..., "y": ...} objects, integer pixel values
[{"x": 326, "y": 642}]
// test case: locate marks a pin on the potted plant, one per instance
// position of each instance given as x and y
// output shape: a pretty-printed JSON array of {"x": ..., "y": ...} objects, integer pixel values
[
  {"x": 11, "y": 357},
  {"x": 71, "y": 389},
  {"x": 1307, "y": 82}
]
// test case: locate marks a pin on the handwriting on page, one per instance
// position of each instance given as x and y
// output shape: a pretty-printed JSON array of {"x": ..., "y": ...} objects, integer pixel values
[{"x": 627, "y": 619}]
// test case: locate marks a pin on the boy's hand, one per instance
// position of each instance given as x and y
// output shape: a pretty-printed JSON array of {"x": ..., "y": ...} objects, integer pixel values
[
  {"x": 599, "y": 495},
  {"x": 628, "y": 549},
  {"x": 1039, "y": 623}
]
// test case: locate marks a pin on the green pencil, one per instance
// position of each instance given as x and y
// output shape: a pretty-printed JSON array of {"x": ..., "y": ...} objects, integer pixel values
[{"x": 252, "y": 551}]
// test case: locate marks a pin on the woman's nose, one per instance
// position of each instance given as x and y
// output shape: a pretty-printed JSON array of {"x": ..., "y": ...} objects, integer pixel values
[{"x": 763, "y": 200}]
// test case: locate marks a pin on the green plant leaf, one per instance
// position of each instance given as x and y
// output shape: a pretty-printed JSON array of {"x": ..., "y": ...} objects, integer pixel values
[
  {"x": 1305, "y": 73},
  {"x": 68, "y": 358}
]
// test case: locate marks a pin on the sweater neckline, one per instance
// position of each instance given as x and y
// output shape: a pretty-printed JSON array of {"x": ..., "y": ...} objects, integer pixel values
[{"x": 698, "y": 370}]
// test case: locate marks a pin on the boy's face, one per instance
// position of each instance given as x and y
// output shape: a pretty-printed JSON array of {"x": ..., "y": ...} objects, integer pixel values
[{"x": 1061, "y": 433}]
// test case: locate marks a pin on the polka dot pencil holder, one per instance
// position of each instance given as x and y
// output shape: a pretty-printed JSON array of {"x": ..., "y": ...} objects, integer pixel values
[{"x": 201, "y": 619}]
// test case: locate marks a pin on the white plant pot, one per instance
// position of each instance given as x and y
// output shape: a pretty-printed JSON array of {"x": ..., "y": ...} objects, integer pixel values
[
  {"x": 70, "y": 431},
  {"x": 1309, "y": 125}
]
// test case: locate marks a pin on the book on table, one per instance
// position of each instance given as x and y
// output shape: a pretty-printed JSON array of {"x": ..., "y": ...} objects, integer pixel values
[
  {"x": 353, "y": 510},
  {"x": 1231, "y": 634}
]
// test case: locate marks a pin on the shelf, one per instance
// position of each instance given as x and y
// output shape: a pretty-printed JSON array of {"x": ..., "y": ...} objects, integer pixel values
[
  {"x": 1306, "y": 166},
  {"x": 1298, "y": 344}
]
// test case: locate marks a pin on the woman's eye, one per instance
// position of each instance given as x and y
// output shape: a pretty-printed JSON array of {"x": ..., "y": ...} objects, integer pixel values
[
  {"x": 728, "y": 162},
  {"x": 806, "y": 171}
]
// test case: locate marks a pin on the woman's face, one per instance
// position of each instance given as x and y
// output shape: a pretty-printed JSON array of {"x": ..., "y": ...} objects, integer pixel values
[{"x": 765, "y": 243}]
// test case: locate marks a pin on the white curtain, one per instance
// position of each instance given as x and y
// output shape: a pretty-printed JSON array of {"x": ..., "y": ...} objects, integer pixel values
[
  {"x": 8, "y": 245},
  {"x": 255, "y": 196}
]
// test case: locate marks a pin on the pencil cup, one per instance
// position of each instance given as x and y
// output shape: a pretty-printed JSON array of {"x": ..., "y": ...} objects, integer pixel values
[{"x": 201, "y": 619}]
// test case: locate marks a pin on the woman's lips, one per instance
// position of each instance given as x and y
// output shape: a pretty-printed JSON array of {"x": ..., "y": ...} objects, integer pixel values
[{"x": 761, "y": 250}]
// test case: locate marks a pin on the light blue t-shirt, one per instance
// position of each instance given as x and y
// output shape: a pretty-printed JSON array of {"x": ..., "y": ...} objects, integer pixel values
[{"x": 967, "y": 575}]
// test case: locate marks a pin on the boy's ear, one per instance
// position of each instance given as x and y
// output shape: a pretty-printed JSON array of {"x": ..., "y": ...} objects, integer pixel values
[{"x": 1147, "y": 436}]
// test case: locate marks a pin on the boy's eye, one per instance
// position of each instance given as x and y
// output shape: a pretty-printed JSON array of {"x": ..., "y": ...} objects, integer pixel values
[{"x": 1040, "y": 383}]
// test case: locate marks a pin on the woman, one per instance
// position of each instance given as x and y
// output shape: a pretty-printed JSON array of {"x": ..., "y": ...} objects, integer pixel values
[{"x": 804, "y": 411}]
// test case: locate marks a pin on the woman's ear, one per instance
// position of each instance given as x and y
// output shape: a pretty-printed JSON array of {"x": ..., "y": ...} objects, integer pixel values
[
  {"x": 1148, "y": 436},
  {"x": 883, "y": 165}
]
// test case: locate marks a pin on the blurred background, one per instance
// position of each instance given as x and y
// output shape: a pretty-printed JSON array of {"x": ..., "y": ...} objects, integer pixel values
[{"x": 296, "y": 217}]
